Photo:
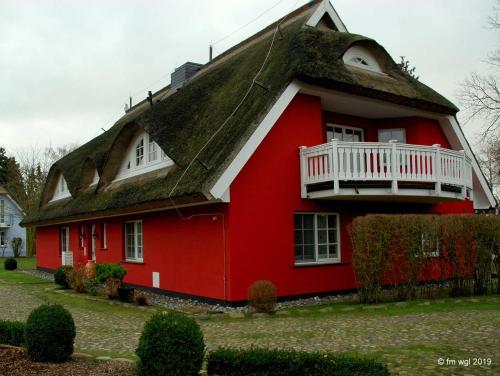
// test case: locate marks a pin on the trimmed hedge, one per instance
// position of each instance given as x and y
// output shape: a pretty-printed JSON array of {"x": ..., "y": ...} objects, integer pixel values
[
  {"x": 50, "y": 334},
  {"x": 170, "y": 344},
  {"x": 257, "y": 362},
  {"x": 10, "y": 263},
  {"x": 12, "y": 333}
]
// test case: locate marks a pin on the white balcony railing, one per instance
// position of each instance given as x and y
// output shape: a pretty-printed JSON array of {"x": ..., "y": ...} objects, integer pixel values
[{"x": 374, "y": 162}]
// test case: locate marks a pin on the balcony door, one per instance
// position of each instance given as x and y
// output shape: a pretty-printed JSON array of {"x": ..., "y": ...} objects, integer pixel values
[{"x": 344, "y": 133}]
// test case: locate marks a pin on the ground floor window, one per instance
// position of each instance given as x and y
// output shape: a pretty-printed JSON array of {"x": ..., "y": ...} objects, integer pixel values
[
  {"x": 133, "y": 241},
  {"x": 3, "y": 238},
  {"x": 64, "y": 239},
  {"x": 104, "y": 235},
  {"x": 316, "y": 238}
]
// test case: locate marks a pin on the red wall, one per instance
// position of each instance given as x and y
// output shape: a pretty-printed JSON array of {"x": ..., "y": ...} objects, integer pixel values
[
  {"x": 192, "y": 254},
  {"x": 266, "y": 194},
  {"x": 188, "y": 253}
]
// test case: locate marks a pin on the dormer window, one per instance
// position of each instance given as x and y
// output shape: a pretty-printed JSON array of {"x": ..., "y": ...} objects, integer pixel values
[
  {"x": 361, "y": 57},
  {"x": 95, "y": 179},
  {"x": 139, "y": 152},
  {"x": 144, "y": 155},
  {"x": 61, "y": 190}
]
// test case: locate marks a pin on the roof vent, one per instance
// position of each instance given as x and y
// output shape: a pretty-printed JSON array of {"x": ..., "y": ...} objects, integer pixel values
[{"x": 183, "y": 73}]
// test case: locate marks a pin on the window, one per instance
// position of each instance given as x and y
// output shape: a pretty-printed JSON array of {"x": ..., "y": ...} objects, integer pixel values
[
  {"x": 139, "y": 153},
  {"x": 430, "y": 245},
  {"x": 386, "y": 135},
  {"x": 316, "y": 238},
  {"x": 361, "y": 57},
  {"x": 62, "y": 186},
  {"x": 344, "y": 133},
  {"x": 133, "y": 241},
  {"x": 3, "y": 238},
  {"x": 61, "y": 190},
  {"x": 153, "y": 155},
  {"x": 2, "y": 211},
  {"x": 64, "y": 239},
  {"x": 104, "y": 236}
]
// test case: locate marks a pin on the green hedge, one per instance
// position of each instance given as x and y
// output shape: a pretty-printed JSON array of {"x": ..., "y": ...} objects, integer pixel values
[
  {"x": 256, "y": 362},
  {"x": 12, "y": 333}
]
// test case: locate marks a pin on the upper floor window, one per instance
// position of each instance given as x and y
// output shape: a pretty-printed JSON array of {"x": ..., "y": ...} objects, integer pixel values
[
  {"x": 395, "y": 134},
  {"x": 361, "y": 57},
  {"x": 344, "y": 133},
  {"x": 61, "y": 191},
  {"x": 95, "y": 179},
  {"x": 2, "y": 211},
  {"x": 144, "y": 155}
]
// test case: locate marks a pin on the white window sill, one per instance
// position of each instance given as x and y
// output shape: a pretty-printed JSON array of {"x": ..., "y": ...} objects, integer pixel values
[
  {"x": 319, "y": 263},
  {"x": 134, "y": 261}
]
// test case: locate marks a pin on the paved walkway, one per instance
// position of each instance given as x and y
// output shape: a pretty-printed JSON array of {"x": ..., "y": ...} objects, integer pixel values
[{"x": 411, "y": 343}]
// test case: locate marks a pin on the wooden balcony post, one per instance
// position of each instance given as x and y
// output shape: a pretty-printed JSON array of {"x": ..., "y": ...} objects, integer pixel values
[
  {"x": 394, "y": 174},
  {"x": 462, "y": 174},
  {"x": 303, "y": 172},
  {"x": 335, "y": 163},
  {"x": 437, "y": 169}
]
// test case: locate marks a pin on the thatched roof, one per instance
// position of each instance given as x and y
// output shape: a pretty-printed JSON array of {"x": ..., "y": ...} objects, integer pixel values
[{"x": 181, "y": 121}]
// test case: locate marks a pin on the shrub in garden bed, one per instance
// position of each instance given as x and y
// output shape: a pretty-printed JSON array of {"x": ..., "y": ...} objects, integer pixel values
[
  {"x": 11, "y": 333},
  {"x": 256, "y": 362},
  {"x": 61, "y": 276},
  {"x": 170, "y": 344},
  {"x": 50, "y": 334},
  {"x": 76, "y": 279},
  {"x": 10, "y": 263},
  {"x": 105, "y": 271},
  {"x": 262, "y": 296}
]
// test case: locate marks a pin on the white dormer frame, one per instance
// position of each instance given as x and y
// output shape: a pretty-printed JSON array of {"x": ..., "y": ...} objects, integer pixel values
[
  {"x": 143, "y": 155},
  {"x": 95, "y": 179},
  {"x": 61, "y": 190},
  {"x": 326, "y": 8},
  {"x": 361, "y": 57}
]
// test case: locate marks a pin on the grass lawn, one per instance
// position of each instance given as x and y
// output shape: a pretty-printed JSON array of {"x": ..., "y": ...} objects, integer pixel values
[{"x": 411, "y": 337}]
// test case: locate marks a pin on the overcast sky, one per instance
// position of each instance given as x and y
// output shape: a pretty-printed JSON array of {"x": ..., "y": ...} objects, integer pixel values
[{"x": 67, "y": 67}]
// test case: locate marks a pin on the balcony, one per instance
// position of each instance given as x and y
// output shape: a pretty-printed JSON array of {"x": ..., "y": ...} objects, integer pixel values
[
  {"x": 384, "y": 171},
  {"x": 6, "y": 220}
]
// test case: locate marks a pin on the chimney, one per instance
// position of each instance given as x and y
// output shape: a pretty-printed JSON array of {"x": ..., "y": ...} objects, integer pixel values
[{"x": 183, "y": 73}]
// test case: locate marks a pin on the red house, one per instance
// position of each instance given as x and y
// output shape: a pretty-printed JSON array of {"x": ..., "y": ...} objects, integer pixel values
[{"x": 253, "y": 165}]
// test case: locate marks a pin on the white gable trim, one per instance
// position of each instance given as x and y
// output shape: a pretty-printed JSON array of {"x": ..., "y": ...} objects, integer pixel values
[
  {"x": 13, "y": 202},
  {"x": 220, "y": 188},
  {"x": 488, "y": 200},
  {"x": 326, "y": 7}
]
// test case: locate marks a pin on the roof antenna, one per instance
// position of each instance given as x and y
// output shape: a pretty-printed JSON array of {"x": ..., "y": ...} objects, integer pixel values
[
  {"x": 150, "y": 98},
  {"x": 210, "y": 52}
]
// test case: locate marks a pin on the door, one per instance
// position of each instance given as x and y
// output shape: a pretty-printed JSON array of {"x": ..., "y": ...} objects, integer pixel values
[{"x": 91, "y": 242}]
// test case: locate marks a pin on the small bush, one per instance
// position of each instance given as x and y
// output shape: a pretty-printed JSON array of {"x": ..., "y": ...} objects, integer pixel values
[
  {"x": 76, "y": 278},
  {"x": 112, "y": 286},
  {"x": 170, "y": 344},
  {"x": 91, "y": 285},
  {"x": 17, "y": 246},
  {"x": 105, "y": 271},
  {"x": 262, "y": 296},
  {"x": 50, "y": 333},
  {"x": 256, "y": 362},
  {"x": 140, "y": 298},
  {"x": 61, "y": 276},
  {"x": 10, "y": 263},
  {"x": 12, "y": 333}
]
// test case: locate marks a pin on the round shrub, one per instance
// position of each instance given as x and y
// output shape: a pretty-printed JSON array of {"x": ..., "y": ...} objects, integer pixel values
[
  {"x": 170, "y": 344},
  {"x": 61, "y": 276},
  {"x": 262, "y": 296},
  {"x": 10, "y": 263},
  {"x": 50, "y": 333}
]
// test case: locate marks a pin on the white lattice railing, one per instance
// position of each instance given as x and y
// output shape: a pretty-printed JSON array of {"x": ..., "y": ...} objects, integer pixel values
[
  {"x": 67, "y": 258},
  {"x": 384, "y": 162}
]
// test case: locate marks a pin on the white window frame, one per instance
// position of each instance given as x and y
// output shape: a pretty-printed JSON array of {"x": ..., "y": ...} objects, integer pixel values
[
  {"x": 129, "y": 165},
  {"x": 344, "y": 128},
  {"x": 61, "y": 190},
  {"x": 317, "y": 261},
  {"x": 3, "y": 238},
  {"x": 104, "y": 234},
  {"x": 64, "y": 244},
  {"x": 139, "y": 152},
  {"x": 2, "y": 211},
  {"x": 391, "y": 130},
  {"x": 356, "y": 56},
  {"x": 136, "y": 257}
]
